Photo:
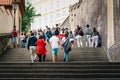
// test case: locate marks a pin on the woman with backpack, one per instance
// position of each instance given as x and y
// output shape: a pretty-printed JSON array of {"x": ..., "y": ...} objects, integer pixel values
[
  {"x": 79, "y": 38},
  {"x": 95, "y": 35}
]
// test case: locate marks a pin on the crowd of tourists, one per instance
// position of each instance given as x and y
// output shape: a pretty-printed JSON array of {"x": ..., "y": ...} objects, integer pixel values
[{"x": 36, "y": 41}]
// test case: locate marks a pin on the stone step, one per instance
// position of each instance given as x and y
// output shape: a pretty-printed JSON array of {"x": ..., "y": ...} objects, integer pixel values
[
  {"x": 59, "y": 75},
  {"x": 72, "y": 59},
  {"x": 65, "y": 63},
  {"x": 59, "y": 56},
  {"x": 59, "y": 78},
  {"x": 51, "y": 61},
  {"x": 31, "y": 66},
  {"x": 59, "y": 71},
  {"x": 76, "y": 52},
  {"x": 88, "y": 48},
  {"x": 16, "y": 63}
]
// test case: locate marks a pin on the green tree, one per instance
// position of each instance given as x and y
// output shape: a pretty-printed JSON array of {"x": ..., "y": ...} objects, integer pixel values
[{"x": 28, "y": 17}]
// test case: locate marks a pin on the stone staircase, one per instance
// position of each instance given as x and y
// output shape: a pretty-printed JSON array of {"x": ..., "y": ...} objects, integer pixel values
[
  {"x": 84, "y": 64},
  {"x": 76, "y": 55},
  {"x": 15, "y": 55},
  {"x": 88, "y": 54},
  {"x": 60, "y": 71}
]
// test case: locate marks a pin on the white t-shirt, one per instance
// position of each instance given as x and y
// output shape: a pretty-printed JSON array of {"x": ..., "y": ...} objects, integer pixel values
[
  {"x": 22, "y": 37},
  {"x": 54, "y": 42},
  {"x": 63, "y": 39}
]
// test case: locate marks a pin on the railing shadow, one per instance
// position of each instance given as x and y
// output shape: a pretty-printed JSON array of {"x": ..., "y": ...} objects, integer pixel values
[{"x": 4, "y": 39}]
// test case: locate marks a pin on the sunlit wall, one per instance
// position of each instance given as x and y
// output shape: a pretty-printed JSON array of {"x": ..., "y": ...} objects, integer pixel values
[{"x": 52, "y": 12}]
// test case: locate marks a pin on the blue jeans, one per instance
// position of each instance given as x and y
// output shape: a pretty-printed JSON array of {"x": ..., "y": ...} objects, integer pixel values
[
  {"x": 23, "y": 43},
  {"x": 66, "y": 56}
]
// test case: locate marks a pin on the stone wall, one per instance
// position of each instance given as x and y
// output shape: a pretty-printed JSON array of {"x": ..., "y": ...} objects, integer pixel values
[
  {"x": 117, "y": 20},
  {"x": 105, "y": 16},
  {"x": 92, "y": 12},
  {"x": 114, "y": 50},
  {"x": 66, "y": 23}
]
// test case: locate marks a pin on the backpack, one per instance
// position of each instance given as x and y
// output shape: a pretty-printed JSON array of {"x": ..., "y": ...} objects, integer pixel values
[{"x": 82, "y": 33}]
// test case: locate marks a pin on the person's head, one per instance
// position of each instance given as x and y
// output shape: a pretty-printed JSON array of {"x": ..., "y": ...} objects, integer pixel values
[
  {"x": 32, "y": 34},
  {"x": 70, "y": 32},
  {"x": 46, "y": 27},
  {"x": 40, "y": 36},
  {"x": 66, "y": 34},
  {"x": 22, "y": 33},
  {"x": 77, "y": 26},
  {"x": 56, "y": 25},
  {"x": 94, "y": 29},
  {"x": 87, "y": 25},
  {"x": 14, "y": 26}
]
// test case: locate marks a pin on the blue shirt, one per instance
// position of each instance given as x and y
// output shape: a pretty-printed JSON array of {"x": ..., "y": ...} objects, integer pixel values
[{"x": 31, "y": 41}]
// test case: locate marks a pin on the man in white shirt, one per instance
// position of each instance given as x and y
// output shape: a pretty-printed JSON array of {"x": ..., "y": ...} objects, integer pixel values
[
  {"x": 54, "y": 43},
  {"x": 88, "y": 33}
]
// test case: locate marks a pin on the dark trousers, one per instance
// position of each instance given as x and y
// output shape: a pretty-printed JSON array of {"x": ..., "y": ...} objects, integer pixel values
[{"x": 41, "y": 57}]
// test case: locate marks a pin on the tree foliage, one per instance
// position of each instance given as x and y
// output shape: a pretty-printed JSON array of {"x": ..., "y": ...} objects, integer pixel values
[{"x": 28, "y": 17}]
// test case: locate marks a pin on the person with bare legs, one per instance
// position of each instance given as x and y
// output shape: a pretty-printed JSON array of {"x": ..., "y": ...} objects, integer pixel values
[
  {"x": 54, "y": 43},
  {"x": 14, "y": 37}
]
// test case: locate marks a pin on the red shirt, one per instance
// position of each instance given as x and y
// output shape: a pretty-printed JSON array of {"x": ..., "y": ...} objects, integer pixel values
[
  {"x": 14, "y": 34},
  {"x": 41, "y": 46}
]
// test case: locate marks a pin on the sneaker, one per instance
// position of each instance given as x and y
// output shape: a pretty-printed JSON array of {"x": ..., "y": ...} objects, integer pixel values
[{"x": 32, "y": 61}]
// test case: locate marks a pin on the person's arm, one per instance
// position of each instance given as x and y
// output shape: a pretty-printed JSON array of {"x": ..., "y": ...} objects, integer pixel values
[
  {"x": 58, "y": 42},
  {"x": 63, "y": 40},
  {"x": 70, "y": 44},
  {"x": 28, "y": 44},
  {"x": 50, "y": 43},
  {"x": 36, "y": 42},
  {"x": 44, "y": 42}
]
